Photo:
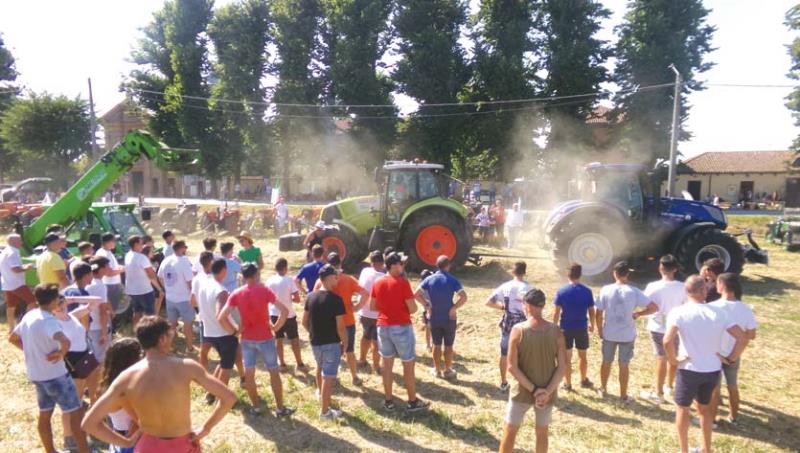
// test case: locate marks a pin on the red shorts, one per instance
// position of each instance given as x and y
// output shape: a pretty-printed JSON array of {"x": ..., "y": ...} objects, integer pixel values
[
  {"x": 22, "y": 294},
  {"x": 151, "y": 444}
]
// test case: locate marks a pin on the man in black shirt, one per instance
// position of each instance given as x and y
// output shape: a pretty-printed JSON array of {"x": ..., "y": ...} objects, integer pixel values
[{"x": 323, "y": 318}]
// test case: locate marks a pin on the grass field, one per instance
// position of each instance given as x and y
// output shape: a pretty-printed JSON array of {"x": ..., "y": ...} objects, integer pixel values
[{"x": 467, "y": 415}]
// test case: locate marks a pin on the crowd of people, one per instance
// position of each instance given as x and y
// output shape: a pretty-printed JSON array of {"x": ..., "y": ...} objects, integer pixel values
[{"x": 138, "y": 391}]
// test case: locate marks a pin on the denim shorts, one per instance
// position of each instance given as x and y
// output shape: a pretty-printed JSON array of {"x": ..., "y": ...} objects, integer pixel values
[
  {"x": 610, "y": 350},
  {"x": 328, "y": 357},
  {"x": 443, "y": 332},
  {"x": 504, "y": 343},
  {"x": 61, "y": 391},
  {"x": 397, "y": 341},
  {"x": 144, "y": 303},
  {"x": 266, "y": 349},
  {"x": 182, "y": 310}
]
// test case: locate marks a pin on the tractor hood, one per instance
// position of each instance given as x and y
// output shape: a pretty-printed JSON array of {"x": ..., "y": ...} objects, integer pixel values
[
  {"x": 679, "y": 212},
  {"x": 566, "y": 208},
  {"x": 358, "y": 213}
]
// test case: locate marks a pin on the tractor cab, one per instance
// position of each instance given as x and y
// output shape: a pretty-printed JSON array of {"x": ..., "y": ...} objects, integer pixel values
[
  {"x": 625, "y": 186},
  {"x": 404, "y": 183},
  {"x": 117, "y": 218}
]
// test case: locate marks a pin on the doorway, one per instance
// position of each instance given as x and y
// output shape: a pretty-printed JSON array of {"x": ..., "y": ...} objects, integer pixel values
[
  {"x": 792, "y": 196},
  {"x": 694, "y": 188},
  {"x": 746, "y": 191}
]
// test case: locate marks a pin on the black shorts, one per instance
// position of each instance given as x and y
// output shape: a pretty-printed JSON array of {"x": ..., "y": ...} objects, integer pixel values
[
  {"x": 443, "y": 332},
  {"x": 578, "y": 338},
  {"x": 226, "y": 348},
  {"x": 289, "y": 329},
  {"x": 693, "y": 385},
  {"x": 369, "y": 329}
]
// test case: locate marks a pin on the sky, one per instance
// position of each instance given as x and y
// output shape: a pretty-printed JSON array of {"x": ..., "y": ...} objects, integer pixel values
[{"x": 59, "y": 44}]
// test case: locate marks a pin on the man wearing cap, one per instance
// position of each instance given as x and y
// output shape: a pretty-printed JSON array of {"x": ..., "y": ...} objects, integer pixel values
[
  {"x": 323, "y": 318},
  {"x": 314, "y": 238},
  {"x": 249, "y": 252},
  {"x": 50, "y": 267},
  {"x": 367, "y": 316},
  {"x": 616, "y": 325},
  {"x": 112, "y": 279},
  {"x": 12, "y": 277},
  {"x": 393, "y": 299},
  {"x": 176, "y": 277},
  {"x": 441, "y": 287},
  {"x": 346, "y": 287},
  {"x": 307, "y": 277},
  {"x": 537, "y": 359}
]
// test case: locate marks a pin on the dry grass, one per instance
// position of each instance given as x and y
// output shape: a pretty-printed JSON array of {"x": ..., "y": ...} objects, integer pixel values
[{"x": 468, "y": 414}]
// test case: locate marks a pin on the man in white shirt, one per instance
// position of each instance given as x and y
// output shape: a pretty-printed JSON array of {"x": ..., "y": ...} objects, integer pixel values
[
  {"x": 176, "y": 277},
  {"x": 219, "y": 332},
  {"x": 113, "y": 281},
  {"x": 12, "y": 279},
  {"x": 514, "y": 220},
  {"x": 700, "y": 328},
  {"x": 367, "y": 317},
  {"x": 100, "y": 326},
  {"x": 616, "y": 324},
  {"x": 667, "y": 293},
  {"x": 287, "y": 294},
  {"x": 205, "y": 259},
  {"x": 140, "y": 280},
  {"x": 281, "y": 214}
]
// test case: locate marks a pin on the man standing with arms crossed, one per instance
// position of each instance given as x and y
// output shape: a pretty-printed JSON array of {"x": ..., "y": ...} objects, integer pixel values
[
  {"x": 176, "y": 277},
  {"x": 394, "y": 301},
  {"x": 700, "y": 328},
  {"x": 158, "y": 390},
  {"x": 441, "y": 288},
  {"x": 12, "y": 277}
]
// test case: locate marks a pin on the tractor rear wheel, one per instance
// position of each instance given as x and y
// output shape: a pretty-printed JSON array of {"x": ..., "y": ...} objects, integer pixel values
[
  {"x": 344, "y": 242},
  {"x": 433, "y": 234},
  {"x": 595, "y": 249},
  {"x": 707, "y": 244}
]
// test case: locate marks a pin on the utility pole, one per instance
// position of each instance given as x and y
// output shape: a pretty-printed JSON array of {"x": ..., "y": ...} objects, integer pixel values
[
  {"x": 92, "y": 122},
  {"x": 673, "y": 144}
]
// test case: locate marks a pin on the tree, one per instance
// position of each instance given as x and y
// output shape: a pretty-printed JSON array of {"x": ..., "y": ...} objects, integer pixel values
[
  {"x": 793, "y": 100},
  {"x": 8, "y": 93},
  {"x": 47, "y": 134},
  {"x": 239, "y": 32},
  {"x": 573, "y": 59},
  {"x": 432, "y": 70},
  {"x": 654, "y": 35}
]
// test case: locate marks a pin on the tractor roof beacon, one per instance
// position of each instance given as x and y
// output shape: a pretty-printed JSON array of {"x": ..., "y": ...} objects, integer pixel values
[
  {"x": 414, "y": 211},
  {"x": 620, "y": 214}
]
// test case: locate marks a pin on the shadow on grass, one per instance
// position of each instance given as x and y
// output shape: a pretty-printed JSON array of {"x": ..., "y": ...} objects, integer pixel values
[
  {"x": 437, "y": 421},
  {"x": 485, "y": 390},
  {"x": 763, "y": 286},
  {"x": 575, "y": 407},
  {"x": 779, "y": 429},
  {"x": 386, "y": 439},
  {"x": 295, "y": 435}
]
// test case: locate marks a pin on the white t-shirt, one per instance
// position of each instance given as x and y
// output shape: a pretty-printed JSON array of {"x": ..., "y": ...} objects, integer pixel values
[
  {"x": 667, "y": 295},
  {"x": 283, "y": 287},
  {"x": 197, "y": 268},
  {"x": 700, "y": 328},
  {"x": 207, "y": 298},
  {"x": 9, "y": 259},
  {"x": 741, "y": 314},
  {"x": 97, "y": 288},
  {"x": 618, "y": 303},
  {"x": 112, "y": 264},
  {"x": 37, "y": 329},
  {"x": 515, "y": 291},
  {"x": 136, "y": 280},
  {"x": 197, "y": 281},
  {"x": 514, "y": 218},
  {"x": 176, "y": 273},
  {"x": 75, "y": 332},
  {"x": 366, "y": 279}
]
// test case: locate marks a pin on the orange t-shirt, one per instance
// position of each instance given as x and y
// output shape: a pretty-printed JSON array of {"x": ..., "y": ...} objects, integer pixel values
[{"x": 345, "y": 288}]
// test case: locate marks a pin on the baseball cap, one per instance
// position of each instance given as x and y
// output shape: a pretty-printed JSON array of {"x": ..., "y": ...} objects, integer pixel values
[
  {"x": 50, "y": 238},
  {"x": 535, "y": 297},
  {"x": 326, "y": 271},
  {"x": 334, "y": 259},
  {"x": 394, "y": 258},
  {"x": 622, "y": 268}
]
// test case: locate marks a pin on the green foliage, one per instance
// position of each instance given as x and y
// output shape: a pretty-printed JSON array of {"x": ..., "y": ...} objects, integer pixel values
[
  {"x": 46, "y": 134},
  {"x": 655, "y": 34},
  {"x": 793, "y": 100},
  {"x": 482, "y": 165},
  {"x": 432, "y": 70},
  {"x": 8, "y": 92}
]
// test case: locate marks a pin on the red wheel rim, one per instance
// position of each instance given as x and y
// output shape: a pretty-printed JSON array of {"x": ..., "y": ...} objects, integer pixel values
[
  {"x": 434, "y": 241},
  {"x": 334, "y": 244}
]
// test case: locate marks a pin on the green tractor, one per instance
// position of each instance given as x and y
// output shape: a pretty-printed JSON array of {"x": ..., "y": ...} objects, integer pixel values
[{"x": 413, "y": 212}]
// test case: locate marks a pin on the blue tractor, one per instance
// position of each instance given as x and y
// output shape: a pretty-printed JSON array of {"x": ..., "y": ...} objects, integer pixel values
[{"x": 620, "y": 215}]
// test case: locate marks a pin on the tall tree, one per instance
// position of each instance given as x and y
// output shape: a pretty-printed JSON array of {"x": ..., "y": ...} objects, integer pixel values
[
  {"x": 432, "y": 70},
  {"x": 357, "y": 35},
  {"x": 503, "y": 71},
  {"x": 793, "y": 100},
  {"x": 573, "y": 58},
  {"x": 654, "y": 35},
  {"x": 239, "y": 32},
  {"x": 47, "y": 134},
  {"x": 8, "y": 92}
]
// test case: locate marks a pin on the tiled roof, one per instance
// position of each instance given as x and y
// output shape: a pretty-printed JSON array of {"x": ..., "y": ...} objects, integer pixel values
[{"x": 742, "y": 162}]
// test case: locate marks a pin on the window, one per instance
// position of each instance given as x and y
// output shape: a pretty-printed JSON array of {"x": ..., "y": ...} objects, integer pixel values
[{"x": 428, "y": 185}]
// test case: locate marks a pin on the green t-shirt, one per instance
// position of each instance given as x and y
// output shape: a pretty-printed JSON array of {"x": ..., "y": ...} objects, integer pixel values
[{"x": 250, "y": 255}]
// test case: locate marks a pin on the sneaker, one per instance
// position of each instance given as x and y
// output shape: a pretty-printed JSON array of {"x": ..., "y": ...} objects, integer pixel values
[
  {"x": 652, "y": 396},
  {"x": 357, "y": 381},
  {"x": 331, "y": 414},
  {"x": 70, "y": 444},
  {"x": 450, "y": 374},
  {"x": 210, "y": 399},
  {"x": 732, "y": 421},
  {"x": 627, "y": 399},
  {"x": 587, "y": 384},
  {"x": 286, "y": 411},
  {"x": 567, "y": 387},
  {"x": 255, "y": 411},
  {"x": 283, "y": 369},
  {"x": 602, "y": 393},
  {"x": 417, "y": 405},
  {"x": 436, "y": 373},
  {"x": 303, "y": 367},
  {"x": 389, "y": 405},
  {"x": 504, "y": 387}
]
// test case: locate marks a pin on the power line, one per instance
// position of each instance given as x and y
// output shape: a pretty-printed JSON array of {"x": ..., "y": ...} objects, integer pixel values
[{"x": 748, "y": 85}]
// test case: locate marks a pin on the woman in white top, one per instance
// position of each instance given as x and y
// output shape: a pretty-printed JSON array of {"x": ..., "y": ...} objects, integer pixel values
[{"x": 120, "y": 356}]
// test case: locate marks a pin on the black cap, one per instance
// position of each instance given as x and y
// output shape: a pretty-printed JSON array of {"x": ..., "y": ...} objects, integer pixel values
[
  {"x": 50, "y": 238},
  {"x": 334, "y": 259},
  {"x": 535, "y": 297},
  {"x": 326, "y": 271},
  {"x": 394, "y": 258},
  {"x": 622, "y": 268}
]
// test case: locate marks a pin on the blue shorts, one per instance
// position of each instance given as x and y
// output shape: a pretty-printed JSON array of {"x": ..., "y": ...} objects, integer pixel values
[
  {"x": 328, "y": 357},
  {"x": 61, "y": 391},
  {"x": 144, "y": 303},
  {"x": 351, "y": 338},
  {"x": 397, "y": 341},
  {"x": 266, "y": 349},
  {"x": 182, "y": 310},
  {"x": 504, "y": 343},
  {"x": 443, "y": 332}
]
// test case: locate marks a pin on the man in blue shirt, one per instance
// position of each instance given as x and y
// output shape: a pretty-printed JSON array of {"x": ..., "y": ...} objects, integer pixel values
[
  {"x": 440, "y": 289},
  {"x": 573, "y": 302},
  {"x": 308, "y": 273}
]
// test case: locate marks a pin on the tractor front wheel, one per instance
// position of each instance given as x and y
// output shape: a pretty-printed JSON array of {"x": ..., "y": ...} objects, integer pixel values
[
  {"x": 347, "y": 245},
  {"x": 432, "y": 235},
  {"x": 703, "y": 245}
]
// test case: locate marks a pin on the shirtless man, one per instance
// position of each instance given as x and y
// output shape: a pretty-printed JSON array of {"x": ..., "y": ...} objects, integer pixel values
[{"x": 157, "y": 389}]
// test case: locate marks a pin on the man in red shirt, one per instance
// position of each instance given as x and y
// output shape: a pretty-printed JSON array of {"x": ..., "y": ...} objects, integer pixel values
[
  {"x": 252, "y": 301},
  {"x": 394, "y": 301}
]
